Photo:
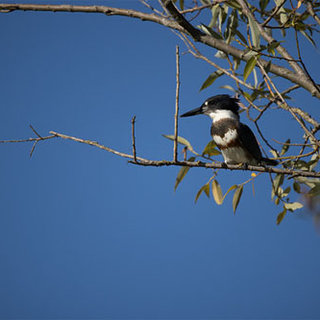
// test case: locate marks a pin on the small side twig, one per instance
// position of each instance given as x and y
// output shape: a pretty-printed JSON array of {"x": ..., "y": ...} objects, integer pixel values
[
  {"x": 175, "y": 143},
  {"x": 134, "y": 152}
]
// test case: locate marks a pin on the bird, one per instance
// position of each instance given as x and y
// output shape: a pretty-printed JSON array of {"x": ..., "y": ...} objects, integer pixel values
[{"x": 235, "y": 140}]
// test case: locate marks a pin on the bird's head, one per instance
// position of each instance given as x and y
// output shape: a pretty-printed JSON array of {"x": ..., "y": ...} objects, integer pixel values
[{"x": 217, "y": 107}]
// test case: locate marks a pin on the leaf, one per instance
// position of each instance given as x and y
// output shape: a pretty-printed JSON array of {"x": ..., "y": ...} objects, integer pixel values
[
  {"x": 285, "y": 147},
  {"x": 210, "y": 32},
  {"x": 281, "y": 216},
  {"x": 216, "y": 192},
  {"x": 236, "y": 198},
  {"x": 181, "y": 174},
  {"x": 210, "y": 149},
  {"x": 231, "y": 27},
  {"x": 242, "y": 38},
  {"x": 255, "y": 33},
  {"x": 209, "y": 81},
  {"x": 263, "y": 4},
  {"x": 233, "y": 4},
  {"x": 206, "y": 189},
  {"x": 215, "y": 10},
  {"x": 285, "y": 192},
  {"x": 272, "y": 46},
  {"x": 277, "y": 182},
  {"x": 181, "y": 140},
  {"x": 281, "y": 12},
  {"x": 230, "y": 189},
  {"x": 315, "y": 191},
  {"x": 228, "y": 88},
  {"x": 181, "y": 3},
  {"x": 308, "y": 37},
  {"x": 249, "y": 67},
  {"x": 296, "y": 187},
  {"x": 220, "y": 55},
  {"x": 293, "y": 206}
]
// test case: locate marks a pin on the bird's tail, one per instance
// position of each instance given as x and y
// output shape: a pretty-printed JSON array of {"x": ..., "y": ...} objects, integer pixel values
[{"x": 269, "y": 162}]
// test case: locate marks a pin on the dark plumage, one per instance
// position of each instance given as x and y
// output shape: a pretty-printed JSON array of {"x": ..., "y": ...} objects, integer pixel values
[{"x": 235, "y": 139}]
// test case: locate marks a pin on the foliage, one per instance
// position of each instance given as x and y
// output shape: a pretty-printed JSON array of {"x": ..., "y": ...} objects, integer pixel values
[{"x": 251, "y": 41}]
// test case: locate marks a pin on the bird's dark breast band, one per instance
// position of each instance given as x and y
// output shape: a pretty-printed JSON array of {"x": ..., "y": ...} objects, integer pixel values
[{"x": 220, "y": 128}]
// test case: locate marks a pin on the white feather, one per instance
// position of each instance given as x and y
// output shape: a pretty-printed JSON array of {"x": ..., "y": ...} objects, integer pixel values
[
  {"x": 236, "y": 155},
  {"x": 218, "y": 115},
  {"x": 227, "y": 138}
]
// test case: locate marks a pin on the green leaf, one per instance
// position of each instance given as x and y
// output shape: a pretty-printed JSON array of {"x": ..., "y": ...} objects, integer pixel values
[
  {"x": 231, "y": 188},
  {"x": 272, "y": 46},
  {"x": 310, "y": 182},
  {"x": 210, "y": 149},
  {"x": 210, "y": 32},
  {"x": 277, "y": 182},
  {"x": 296, "y": 187},
  {"x": 285, "y": 192},
  {"x": 285, "y": 147},
  {"x": 206, "y": 189},
  {"x": 255, "y": 33},
  {"x": 233, "y": 4},
  {"x": 268, "y": 66},
  {"x": 293, "y": 206},
  {"x": 216, "y": 192},
  {"x": 281, "y": 12},
  {"x": 242, "y": 38},
  {"x": 249, "y": 67},
  {"x": 263, "y": 4},
  {"x": 308, "y": 37},
  {"x": 209, "y": 81},
  {"x": 281, "y": 216},
  {"x": 228, "y": 88},
  {"x": 236, "y": 197},
  {"x": 181, "y": 3},
  {"x": 232, "y": 24},
  {"x": 181, "y": 140},
  {"x": 315, "y": 191},
  {"x": 215, "y": 10},
  {"x": 181, "y": 174}
]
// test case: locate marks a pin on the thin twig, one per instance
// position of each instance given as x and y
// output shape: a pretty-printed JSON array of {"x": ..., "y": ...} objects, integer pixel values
[
  {"x": 179, "y": 24},
  {"x": 308, "y": 133},
  {"x": 134, "y": 152},
  {"x": 275, "y": 11},
  {"x": 156, "y": 163},
  {"x": 175, "y": 144}
]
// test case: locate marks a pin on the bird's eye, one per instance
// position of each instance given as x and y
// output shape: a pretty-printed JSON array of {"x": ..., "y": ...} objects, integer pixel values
[{"x": 206, "y": 103}]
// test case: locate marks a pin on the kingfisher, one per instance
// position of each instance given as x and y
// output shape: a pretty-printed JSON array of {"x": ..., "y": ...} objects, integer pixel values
[{"x": 236, "y": 141}]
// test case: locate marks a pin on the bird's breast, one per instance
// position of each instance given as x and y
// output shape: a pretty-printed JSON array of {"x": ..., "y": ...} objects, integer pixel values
[{"x": 225, "y": 132}]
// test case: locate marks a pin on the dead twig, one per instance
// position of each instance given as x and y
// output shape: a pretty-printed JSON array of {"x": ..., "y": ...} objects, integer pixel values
[
  {"x": 134, "y": 152},
  {"x": 175, "y": 144}
]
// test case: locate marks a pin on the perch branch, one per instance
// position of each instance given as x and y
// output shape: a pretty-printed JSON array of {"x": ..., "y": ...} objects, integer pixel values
[{"x": 157, "y": 163}]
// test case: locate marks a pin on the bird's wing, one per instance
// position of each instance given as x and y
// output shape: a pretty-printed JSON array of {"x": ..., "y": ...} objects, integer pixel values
[{"x": 249, "y": 141}]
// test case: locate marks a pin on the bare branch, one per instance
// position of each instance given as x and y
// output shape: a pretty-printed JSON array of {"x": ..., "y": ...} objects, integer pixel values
[
  {"x": 175, "y": 144},
  {"x": 312, "y": 12},
  {"x": 156, "y": 163},
  {"x": 134, "y": 152}
]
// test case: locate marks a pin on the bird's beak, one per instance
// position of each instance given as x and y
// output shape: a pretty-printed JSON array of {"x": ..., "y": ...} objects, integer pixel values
[{"x": 192, "y": 112}]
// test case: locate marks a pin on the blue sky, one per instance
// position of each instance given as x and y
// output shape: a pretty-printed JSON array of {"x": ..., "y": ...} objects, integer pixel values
[{"x": 84, "y": 234}]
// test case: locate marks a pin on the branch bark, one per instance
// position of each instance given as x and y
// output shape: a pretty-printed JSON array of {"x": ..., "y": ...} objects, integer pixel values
[
  {"x": 181, "y": 25},
  {"x": 156, "y": 163}
]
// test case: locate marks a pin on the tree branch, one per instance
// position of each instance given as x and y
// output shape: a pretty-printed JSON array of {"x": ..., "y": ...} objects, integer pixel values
[
  {"x": 175, "y": 144},
  {"x": 181, "y": 25},
  {"x": 161, "y": 163}
]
